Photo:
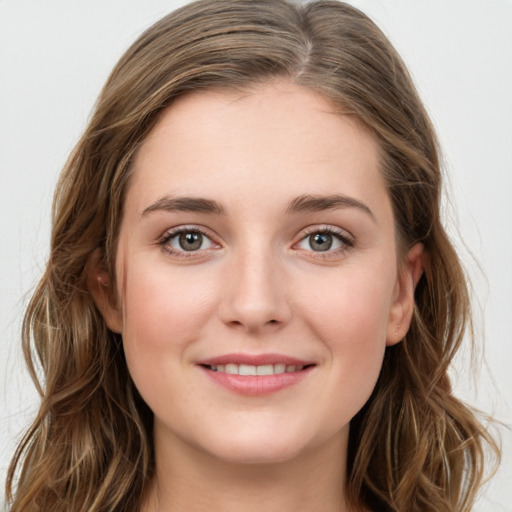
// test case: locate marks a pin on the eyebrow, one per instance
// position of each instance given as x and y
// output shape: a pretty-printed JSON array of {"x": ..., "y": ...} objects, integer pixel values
[
  {"x": 302, "y": 204},
  {"x": 185, "y": 204},
  {"x": 317, "y": 203}
]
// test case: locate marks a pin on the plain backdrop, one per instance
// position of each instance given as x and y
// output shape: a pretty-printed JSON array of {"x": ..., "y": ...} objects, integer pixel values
[{"x": 54, "y": 57}]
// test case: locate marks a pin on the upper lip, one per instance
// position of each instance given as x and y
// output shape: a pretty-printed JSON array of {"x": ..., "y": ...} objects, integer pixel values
[{"x": 254, "y": 360}]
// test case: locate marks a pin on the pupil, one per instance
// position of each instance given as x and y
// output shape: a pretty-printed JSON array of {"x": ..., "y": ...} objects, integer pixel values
[
  {"x": 190, "y": 241},
  {"x": 320, "y": 242}
]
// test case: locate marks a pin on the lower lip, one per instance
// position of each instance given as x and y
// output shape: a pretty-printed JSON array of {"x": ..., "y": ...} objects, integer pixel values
[{"x": 256, "y": 385}]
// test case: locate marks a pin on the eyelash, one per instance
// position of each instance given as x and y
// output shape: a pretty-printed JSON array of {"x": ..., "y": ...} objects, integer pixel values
[
  {"x": 347, "y": 241},
  {"x": 342, "y": 236},
  {"x": 169, "y": 235}
]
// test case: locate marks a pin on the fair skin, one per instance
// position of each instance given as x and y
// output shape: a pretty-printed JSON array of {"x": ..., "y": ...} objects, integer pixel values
[{"x": 257, "y": 230}]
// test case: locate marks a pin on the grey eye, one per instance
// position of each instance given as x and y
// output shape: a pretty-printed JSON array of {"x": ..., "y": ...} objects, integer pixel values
[
  {"x": 324, "y": 241},
  {"x": 189, "y": 241},
  {"x": 320, "y": 241}
]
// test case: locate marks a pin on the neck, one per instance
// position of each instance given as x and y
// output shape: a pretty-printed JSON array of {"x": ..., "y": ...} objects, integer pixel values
[{"x": 195, "y": 482}]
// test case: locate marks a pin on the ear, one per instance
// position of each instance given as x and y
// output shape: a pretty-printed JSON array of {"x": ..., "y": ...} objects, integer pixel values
[
  {"x": 101, "y": 288},
  {"x": 402, "y": 308}
]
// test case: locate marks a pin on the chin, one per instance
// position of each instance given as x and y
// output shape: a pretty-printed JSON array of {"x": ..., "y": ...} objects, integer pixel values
[
  {"x": 262, "y": 444},
  {"x": 250, "y": 454}
]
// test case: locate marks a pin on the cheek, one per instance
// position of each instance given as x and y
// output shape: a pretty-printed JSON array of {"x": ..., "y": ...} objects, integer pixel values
[
  {"x": 162, "y": 316},
  {"x": 350, "y": 316},
  {"x": 351, "y": 304},
  {"x": 158, "y": 308}
]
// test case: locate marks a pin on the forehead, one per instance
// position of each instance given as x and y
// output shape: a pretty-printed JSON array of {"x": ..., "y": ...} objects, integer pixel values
[{"x": 276, "y": 139}]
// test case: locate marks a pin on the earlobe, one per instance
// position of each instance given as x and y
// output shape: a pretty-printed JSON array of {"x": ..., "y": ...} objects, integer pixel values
[
  {"x": 100, "y": 287},
  {"x": 403, "y": 301}
]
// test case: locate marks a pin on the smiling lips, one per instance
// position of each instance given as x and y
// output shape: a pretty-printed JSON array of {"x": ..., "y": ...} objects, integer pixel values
[
  {"x": 249, "y": 369},
  {"x": 256, "y": 375}
]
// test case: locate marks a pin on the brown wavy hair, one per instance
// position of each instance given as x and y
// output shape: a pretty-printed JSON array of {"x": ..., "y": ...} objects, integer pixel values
[{"x": 413, "y": 446}]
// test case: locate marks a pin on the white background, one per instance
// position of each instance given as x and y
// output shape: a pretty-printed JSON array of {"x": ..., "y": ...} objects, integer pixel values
[{"x": 55, "y": 55}]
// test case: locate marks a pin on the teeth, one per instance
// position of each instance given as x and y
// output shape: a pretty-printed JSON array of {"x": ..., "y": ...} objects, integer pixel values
[
  {"x": 266, "y": 369},
  {"x": 232, "y": 369},
  {"x": 247, "y": 369},
  {"x": 280, "y": 368}
]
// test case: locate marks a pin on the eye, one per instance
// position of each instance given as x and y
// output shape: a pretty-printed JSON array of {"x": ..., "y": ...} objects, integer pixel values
[
  {"x": 186, "y": 240},
  {"x": 326, "y": 240},
  {"x": 321, "y": 241},
  {"x": 189, "y": 241}
]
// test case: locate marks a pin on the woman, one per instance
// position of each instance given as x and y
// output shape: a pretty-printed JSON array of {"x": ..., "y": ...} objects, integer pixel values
[{"x": 250, "y": 300}]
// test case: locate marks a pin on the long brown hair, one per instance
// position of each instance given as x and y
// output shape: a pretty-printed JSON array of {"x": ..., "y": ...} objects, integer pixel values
[{"x": 413, "y": 446}]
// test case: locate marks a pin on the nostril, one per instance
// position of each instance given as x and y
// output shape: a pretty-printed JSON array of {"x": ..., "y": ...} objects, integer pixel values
[{"x": 238, "y": 323}]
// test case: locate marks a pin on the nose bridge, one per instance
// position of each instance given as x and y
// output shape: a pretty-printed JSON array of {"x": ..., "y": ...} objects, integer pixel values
[{"x": 255, "y": 293}]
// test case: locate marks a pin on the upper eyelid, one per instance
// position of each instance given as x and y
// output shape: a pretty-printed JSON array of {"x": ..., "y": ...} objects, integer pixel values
[
  {"x": 324, "y": 228},
  {"x": 170, "y": 232}
]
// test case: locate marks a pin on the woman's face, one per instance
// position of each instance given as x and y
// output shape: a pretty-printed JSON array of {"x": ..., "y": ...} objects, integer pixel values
[{"x": 257, "y": 274}]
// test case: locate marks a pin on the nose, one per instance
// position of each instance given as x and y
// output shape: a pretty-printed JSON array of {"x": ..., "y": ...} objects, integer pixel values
[{"x": 254, "y": 298}]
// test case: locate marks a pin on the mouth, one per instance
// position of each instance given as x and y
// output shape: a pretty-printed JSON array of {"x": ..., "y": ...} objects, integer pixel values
[
  {"x": 255, "y": 375},
  {"x": 255, "y": 370}
]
